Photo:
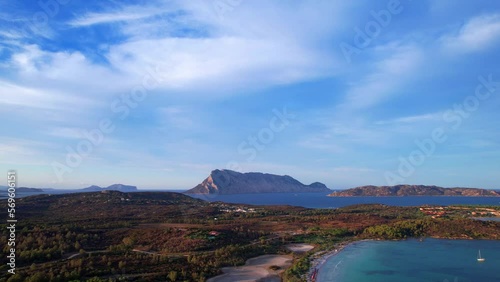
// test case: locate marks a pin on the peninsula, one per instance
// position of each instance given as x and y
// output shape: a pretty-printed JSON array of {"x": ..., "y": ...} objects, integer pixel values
[{"x": 413, "y": 190}]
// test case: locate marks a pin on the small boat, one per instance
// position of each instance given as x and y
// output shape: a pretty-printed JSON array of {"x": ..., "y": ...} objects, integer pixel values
[{"x": 479, "y": 258}]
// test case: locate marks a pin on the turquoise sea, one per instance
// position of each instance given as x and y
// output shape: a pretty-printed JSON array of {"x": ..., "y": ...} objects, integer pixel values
[{"x": 433, "y": 260}]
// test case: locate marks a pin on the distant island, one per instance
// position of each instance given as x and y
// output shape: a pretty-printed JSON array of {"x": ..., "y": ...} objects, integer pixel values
[
  {"x": 413, "y": 190},
  {"x": 115, "y": 187},
  {"x": 27, "y": 189},
  {"x": 23, "y": 189},
  {"x": 93, "y": 188},
  {"x": 232, "y": 182}
]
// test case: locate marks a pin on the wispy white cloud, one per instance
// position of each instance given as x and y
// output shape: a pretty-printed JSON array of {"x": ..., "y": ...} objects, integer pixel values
[
  {"x": 198, "y": 53},
  {"x": 412, "y": 119},
  {"x": 123, "y": 14},
  {"x": 477, "y": 34},
  {"x": 238, "y": 52},
  {"x": 20, "y": 151},
  {"x": 11, "y": 34},
  {"x": 37, "y": 98},
  {"x": 220, "y": 63},
  {"x": 95, "y": 18},
  {"x": 65, "y": 70},
  {"x": 387, "y": 79}
]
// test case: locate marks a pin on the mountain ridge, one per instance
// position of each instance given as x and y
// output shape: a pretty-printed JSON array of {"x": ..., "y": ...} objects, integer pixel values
[{"x": 232, "y": 182}]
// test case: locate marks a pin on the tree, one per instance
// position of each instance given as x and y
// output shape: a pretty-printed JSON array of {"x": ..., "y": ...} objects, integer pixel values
[
  {"x": 15, "y": 278},
  {"x": 37, "y": 277},
  {"x": 127, "y": 241},
  {"x": 172, "y": 275},
  {"x": 95, "y": 279}
]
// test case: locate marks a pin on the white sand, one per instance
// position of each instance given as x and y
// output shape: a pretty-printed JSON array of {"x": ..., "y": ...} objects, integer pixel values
[
  {"x": 300, "y": 248},
  {"x": 320, "y": 258},
  {"x": 255, "y": 269}
]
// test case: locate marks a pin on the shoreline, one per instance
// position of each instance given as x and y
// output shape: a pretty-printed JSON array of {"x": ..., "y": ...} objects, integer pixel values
[
  {"x": 320, "y": 258},
  {"x": 260, "y": 268},
  {"x": 256, "y": 269}
]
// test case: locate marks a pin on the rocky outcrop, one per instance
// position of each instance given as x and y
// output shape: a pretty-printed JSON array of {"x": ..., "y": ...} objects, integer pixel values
[{"x": 232, "y": 182}]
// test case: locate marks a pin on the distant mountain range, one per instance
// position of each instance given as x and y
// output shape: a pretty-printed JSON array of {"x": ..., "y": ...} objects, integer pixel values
[
  {"x": 22, "y": 189},
  {"x": 413, "y": 190},
  {"x": 232, "y": 182},
  {"x": 93, "y": 188}
]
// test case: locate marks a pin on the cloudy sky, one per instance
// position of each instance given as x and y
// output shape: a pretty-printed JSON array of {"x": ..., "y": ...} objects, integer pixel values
[{"x": 159, "y": 93}]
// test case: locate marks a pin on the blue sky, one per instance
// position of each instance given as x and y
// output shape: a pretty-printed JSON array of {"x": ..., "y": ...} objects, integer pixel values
[{"x": 159, "y": 93}]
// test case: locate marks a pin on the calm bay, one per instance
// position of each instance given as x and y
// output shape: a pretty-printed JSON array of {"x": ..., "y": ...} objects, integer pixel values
[{"x": 436, "y": 260}]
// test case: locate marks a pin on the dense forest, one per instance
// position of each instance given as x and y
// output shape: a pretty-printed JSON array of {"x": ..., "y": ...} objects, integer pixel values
[{"x": 161, "y": 236}]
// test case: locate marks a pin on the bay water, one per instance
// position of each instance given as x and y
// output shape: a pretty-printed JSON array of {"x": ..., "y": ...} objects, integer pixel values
[
  {"x": 436, "y": 260},
  {"x": 320, "y": 200}
]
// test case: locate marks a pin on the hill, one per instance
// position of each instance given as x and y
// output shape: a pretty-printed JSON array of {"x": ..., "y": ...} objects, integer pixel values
[
  {"x": 412, "y": 190},
  {"x": 232, "y": 182},
  {"x": 115, "y": 187},
  {"x": 22, "y": 189},
  {"x": 148, "y": 236}
]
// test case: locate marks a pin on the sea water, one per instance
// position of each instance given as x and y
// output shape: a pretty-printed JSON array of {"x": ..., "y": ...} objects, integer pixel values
[
  {"x": 435, "y": 260},
  {"x": 320, "y": 200},
  {"x": 315, "y": 200}
]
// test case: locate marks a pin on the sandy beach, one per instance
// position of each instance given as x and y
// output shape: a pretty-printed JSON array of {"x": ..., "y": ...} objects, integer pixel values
[
  {"x": 256, "y": 269},
  {"x": 319, "y": 258},
  {"x": 299, "y": 248}
]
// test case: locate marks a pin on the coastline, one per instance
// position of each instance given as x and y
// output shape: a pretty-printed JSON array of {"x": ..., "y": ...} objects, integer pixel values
[
  {"x": 264, "y": 268},
  {"x": 256, "y": 269},
  {"x": 320, "y": 258}
]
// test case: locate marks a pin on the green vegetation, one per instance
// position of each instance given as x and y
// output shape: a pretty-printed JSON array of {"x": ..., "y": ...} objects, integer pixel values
[{"x": 114, "y": 236}]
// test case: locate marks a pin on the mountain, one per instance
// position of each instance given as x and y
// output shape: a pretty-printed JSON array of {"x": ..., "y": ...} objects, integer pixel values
[
  {"x": 413, "y": 190},
  {"x": 93, "y": 188},
  {"x": 232, "y": 182},
  {"x": 116, "y": 187},
  {"x": 27, "y": 189},
  {"x": 22, "y": 189}
]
